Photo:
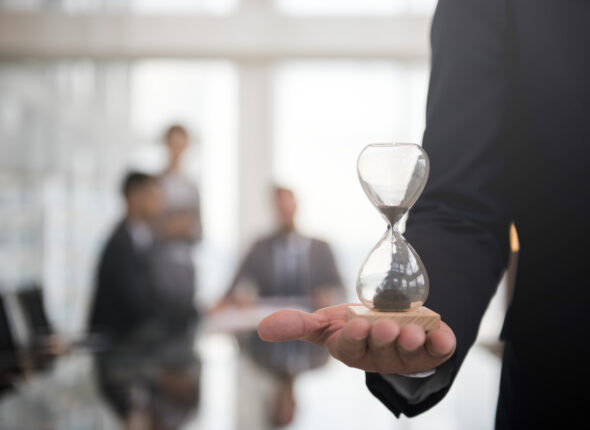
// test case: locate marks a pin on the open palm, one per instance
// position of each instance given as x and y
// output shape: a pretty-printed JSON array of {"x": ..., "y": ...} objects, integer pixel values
[{"x": 381, "y": 346}]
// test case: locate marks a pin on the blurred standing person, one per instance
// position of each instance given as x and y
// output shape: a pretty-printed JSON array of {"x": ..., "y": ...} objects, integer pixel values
[
  {"x": 290, "y": 267},
  {"x": 177, "y": 231}
]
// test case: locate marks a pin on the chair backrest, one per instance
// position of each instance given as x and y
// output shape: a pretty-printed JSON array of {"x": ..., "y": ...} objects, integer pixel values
[
  {"x": 31, "y": 301},
  {"x": 38, "y": 327},
  {"x": 7, "y": 343},
  {"x": 9, "y": 358}
]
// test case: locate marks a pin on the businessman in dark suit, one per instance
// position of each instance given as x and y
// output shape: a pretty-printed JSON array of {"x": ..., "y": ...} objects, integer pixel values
[
  {"x": 508, "y": 134},
  {"x": 124, "y": 297}
]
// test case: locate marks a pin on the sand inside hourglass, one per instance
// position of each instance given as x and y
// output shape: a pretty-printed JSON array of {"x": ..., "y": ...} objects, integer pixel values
[
  {"x": 392, "y": 213},
  {"x": 390, "y": 295},
  {"x": 388, "y": 298}
]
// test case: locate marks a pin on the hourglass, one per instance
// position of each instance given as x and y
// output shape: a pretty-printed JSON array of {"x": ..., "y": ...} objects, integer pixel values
[{"x": 393, "y": 282}]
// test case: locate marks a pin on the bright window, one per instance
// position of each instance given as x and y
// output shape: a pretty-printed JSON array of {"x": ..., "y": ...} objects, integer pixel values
[
  {"x": 354, "y": 7},
  {"x": 326, "y": 112}
]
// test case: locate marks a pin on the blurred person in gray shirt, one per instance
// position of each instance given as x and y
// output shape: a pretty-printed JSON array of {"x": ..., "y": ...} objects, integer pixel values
[{"x": 289, "y": 267}]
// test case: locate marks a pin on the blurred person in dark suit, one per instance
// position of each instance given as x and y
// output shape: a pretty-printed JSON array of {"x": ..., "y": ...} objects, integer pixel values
[
  {"x": 508, "y": 135},
  {"x": 147, "y": 371},
  {"x": 124, "y": 297},
  {"x": 288, "y": 266},
  {"x": 177, "y": 230}
]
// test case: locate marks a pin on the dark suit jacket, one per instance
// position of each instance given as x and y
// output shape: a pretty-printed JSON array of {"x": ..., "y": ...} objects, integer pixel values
[
  {"x": 508, "y": 135},
  {"x": 124, "y": 296}
]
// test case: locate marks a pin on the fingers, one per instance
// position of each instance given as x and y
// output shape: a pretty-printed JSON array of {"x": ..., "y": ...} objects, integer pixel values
[
  {"x": 411, "y": 337},
  {"x": 383, "y": 333},
  {"x": 382, "y": 348},
  {"x": 350, "y": 346},
  {"x": 289, "y": 325},
  {"x": 418, "y": 351},
  {"x": 440, "y": 343},
  {"x": 410, "y": 343}
]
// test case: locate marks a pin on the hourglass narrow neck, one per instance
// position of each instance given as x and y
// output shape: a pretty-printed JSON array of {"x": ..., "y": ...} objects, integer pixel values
[
  {"x": 393, "y": 233},
  {"x": 392, "y": 214}
]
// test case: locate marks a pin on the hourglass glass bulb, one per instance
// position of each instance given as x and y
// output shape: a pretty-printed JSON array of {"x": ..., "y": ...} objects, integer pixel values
[{"x": 393, "y": 278}]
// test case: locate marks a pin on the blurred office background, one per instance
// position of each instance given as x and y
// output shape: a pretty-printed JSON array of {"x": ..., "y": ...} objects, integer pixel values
[{"x": 283, "y": 91}]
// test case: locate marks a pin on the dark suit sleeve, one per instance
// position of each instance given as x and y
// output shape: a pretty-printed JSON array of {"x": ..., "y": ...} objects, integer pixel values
[
  {"x": 123, "y": 297},
  {"x": 460, "y": 225}
]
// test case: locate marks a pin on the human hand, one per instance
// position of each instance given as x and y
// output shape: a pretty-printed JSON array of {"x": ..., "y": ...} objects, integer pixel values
[{"x": 380, "y": 346}]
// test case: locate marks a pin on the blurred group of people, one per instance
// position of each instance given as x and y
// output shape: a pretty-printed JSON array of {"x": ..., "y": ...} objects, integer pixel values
[
  {"x": 144, "y": 304},
  {"x": 146, "y": 273}
]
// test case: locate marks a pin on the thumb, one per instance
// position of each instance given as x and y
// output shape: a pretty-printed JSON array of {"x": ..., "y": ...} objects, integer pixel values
[{"x": 289, "y": 324}]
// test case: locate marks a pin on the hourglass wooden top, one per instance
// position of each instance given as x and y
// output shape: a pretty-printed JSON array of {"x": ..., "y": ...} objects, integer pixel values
[{"x": 422, "y": 316}]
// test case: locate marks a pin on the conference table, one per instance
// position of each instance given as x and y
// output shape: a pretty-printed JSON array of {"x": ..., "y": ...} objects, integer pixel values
[{"x": 157, "y": 380}]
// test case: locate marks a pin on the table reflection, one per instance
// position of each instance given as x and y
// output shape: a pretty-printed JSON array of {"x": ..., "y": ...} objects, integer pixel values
[{"x": 152, "y": 380}]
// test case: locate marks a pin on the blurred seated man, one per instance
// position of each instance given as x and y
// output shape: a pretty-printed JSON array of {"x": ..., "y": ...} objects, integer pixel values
[
  {"x": 124, "y": 297},
  {"x": 300, "y": 270}
]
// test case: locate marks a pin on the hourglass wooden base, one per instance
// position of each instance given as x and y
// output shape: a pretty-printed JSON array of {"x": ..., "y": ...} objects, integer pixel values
[{"x": 424, "y": 317}]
